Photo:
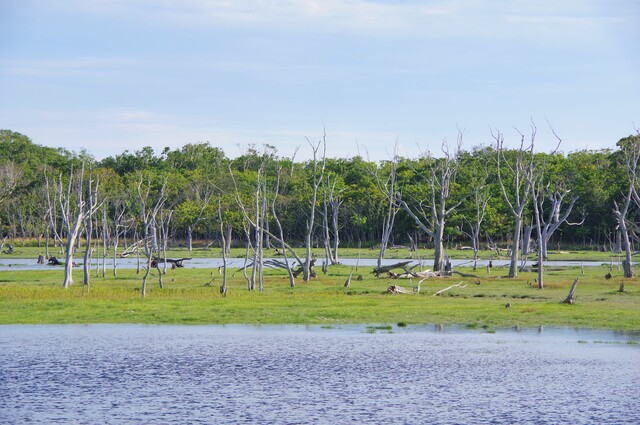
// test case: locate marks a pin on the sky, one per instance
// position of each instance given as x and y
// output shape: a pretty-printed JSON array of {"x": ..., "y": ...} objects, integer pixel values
[{"x": 115, "y": 75}]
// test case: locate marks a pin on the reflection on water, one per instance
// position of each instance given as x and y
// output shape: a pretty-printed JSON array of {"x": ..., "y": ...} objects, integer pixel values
[{"x": 284, "y": 374}]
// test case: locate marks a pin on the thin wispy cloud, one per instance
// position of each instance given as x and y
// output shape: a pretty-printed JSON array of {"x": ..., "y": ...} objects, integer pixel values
[
  {"x": 62, "y": 67},
  {"x": 533, "y": 20}
]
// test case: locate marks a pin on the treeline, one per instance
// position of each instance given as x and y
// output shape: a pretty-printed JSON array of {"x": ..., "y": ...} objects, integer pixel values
[{"x": 201, "y": 185}]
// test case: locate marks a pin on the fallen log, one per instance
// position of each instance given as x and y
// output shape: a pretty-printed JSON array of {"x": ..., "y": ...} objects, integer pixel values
[
  {"x": 450, "y": 287},
  {"x": 378, "y": 271},
  {"x": 174, "y": 262},
  {"x": 423, "y": 274}
]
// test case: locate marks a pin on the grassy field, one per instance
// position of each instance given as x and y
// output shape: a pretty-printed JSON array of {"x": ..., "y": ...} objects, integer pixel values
[
  {"x": 38, "y": 297},
  {"x": 29, "y": 250}
]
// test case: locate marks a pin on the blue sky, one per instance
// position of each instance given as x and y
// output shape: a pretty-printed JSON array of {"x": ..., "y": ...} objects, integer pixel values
[{"x": 110, "y": 75}]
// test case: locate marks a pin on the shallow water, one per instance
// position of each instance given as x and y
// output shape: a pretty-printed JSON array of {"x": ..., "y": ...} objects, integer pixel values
[
  {"x": 293, "y": 374},
  {"x": 7, "y": 263}
]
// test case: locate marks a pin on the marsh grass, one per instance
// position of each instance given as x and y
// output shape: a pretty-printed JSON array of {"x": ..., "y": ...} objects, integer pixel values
[
  {"x": 38, "y": 297},
  {"x": 31, "y": 250}
]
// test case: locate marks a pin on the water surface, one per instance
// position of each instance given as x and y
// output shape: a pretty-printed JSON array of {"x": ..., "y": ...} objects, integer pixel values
[
  {"x": 293, "y": 374},
  {"x": 7, "y": 263}
]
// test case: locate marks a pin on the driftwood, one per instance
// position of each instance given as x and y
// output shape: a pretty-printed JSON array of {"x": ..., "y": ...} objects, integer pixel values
[
  {"x": 450, "y": 287},
  {"x": 411, "y": 274},
  {"x": 174, "y": 262},
  {"x": 569, "y": 299},
  {"x": 396, "y": 289},
  {"x": 425, "y": 274}
]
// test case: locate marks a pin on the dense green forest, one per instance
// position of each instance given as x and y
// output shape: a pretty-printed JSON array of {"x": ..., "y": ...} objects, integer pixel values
[{"x": 200, "y": 186}]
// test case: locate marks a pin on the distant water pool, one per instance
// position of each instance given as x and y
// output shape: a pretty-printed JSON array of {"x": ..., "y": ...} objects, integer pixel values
[{"x": 123, "y": 374}]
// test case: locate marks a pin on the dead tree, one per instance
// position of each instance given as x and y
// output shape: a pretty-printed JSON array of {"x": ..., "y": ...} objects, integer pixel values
[
  {"x": 283, "y": 248},
  {"x": 387, "y": 187},
  {"x": 630, "y": 147},
  {"x": 149, "y": 209},
  {"x": 558, "y": 211},
  {"x": 253, "y": 227},
  {"x": 52, "y": 214},
  {"x": 521, "y": 171},
  {"x": 432, "y": 213},
  {"x": 163, "y": 231},
  {"x": 317, "y": 169},
  {"x": 331, "y": 201},
  {"x": 481, "y": 200},
  {"x": 569, "y": 299},
  {"x": 203, "y": 197},
  {"x": 223, "y": 287},
  {"x": 73, "y": 211},
  {"x": 118, "y": 229},
  {"x": 92, "y": 197}
]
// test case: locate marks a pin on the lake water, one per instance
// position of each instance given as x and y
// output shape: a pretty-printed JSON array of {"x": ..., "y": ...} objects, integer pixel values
[
  {"x": 296, "y": 375},
  {"x": 7, "y": 263}
]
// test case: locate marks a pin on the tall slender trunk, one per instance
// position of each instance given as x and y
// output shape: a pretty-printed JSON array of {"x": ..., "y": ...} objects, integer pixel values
[
  {"x": 87, "y": 253},
  {"x": 438, "y": 240},
  {"x": 515, "y": 247},
  {"x": 71, "y": 244}
]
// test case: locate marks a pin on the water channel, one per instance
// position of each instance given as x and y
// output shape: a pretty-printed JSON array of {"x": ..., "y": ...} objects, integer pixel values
[
  {"x": 122, "y": 374},
  {"x": 7, "y": 263}
]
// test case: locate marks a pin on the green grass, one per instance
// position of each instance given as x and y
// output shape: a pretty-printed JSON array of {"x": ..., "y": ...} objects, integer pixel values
[
  {"x": 38, "y": 297},
  {"x": 29, "y": 250}
]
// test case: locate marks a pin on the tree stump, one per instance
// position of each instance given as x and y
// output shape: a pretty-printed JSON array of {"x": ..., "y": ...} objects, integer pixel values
[{"x": 569, "y": 299}]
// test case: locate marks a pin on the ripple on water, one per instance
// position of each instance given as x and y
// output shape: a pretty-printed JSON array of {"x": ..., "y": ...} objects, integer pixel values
[{"x": 209, "y": 374}]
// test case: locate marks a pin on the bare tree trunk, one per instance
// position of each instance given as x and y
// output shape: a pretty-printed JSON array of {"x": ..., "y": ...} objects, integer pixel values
[
  {"x": 438, "y": 254},
  {"x": 73, "y": 210},
  {"x": 104, "y": 240},
  {"x": 116, "y": 238},
  {"x": 46, "y": 244},
  {"x": 88, "y": 233},
  {"x": 521, "y": 171},
  {"x": 335, "y": 209},
  {"x": 431, "y": 217},
  {"x": 325, "y": 231},
  {"x": 631, "y": 151},
  {"x": 317, "y": 181},
  {"x": 148, "y": 215},
  {"x": 223, "y": 287},
  {"x": 389, "y": 189},
  {"x": 569, "y": 299},
  {"x": 189, "y": 239}
]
